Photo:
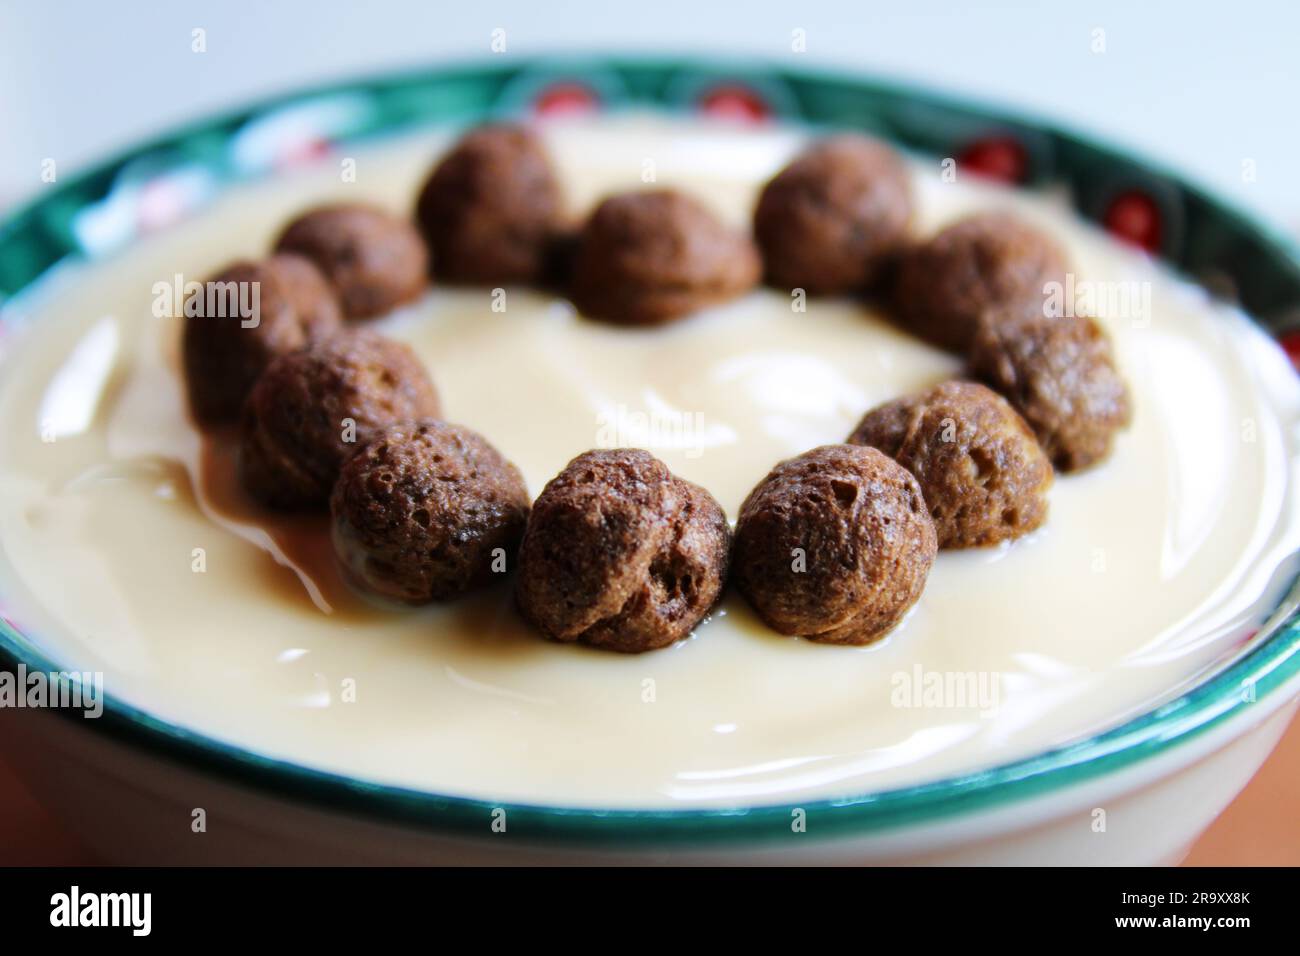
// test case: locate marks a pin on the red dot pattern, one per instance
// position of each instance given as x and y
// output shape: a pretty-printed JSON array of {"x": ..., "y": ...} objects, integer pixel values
[
  {"x": 566, "y": 99},
  {"x": 1001, "y": 158},
  {"x": 1134, "y": 217},
  {"x": 735, "y": 103}
]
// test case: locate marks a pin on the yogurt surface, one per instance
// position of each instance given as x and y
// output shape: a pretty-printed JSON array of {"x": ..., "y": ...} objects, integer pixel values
[{"x": 128, "y": 548}]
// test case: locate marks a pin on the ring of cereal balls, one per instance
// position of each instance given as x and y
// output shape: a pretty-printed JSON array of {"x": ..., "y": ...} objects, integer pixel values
[
  {"x": 376, "y": 261},
  {"x": 834, "y": 545},
  {"x": 492, "y": 207},
  {"x": 1060, "y": 374},
  {"x": 981, "y": 471},
  {"x": 988, "y": 260},
  {"x": 426, "y": 512},
  {"x": 645, "y": 258},
  {"x": 831, "y": 220},
  {"x": 621, "y": 554},
  {"x": 313, "y": 408},
  {"x": 223, "y": 354}
]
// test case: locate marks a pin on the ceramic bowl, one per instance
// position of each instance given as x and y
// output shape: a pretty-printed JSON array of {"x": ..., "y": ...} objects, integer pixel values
[{"x": 1150, "y": 784}]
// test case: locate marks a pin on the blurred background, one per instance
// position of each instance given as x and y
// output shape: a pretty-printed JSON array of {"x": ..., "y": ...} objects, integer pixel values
[
  {"x": 1200, "y": 86},
  {"x": 1206, "y": 89}
]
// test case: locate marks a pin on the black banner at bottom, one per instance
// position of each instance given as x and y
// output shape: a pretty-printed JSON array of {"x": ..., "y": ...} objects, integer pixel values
[{"x": 333, "y": 906}]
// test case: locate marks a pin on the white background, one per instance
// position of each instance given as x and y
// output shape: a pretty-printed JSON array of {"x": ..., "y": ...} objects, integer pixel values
[{"x": 1200, "y": 86}]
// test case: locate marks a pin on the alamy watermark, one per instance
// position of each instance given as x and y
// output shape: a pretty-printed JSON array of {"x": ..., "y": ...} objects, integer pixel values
[
  {"x": 622, "y": 427},
  {"x": 1114, "y": 299},
  {"x": 62, "y": 690},
  {"x": 213, "y": 299},
  {"x": 921, "y": 689},
  {"x": 75, "y": 908}
]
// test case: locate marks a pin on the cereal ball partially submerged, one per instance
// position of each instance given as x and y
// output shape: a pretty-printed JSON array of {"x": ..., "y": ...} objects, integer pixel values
[
  {"x": 985, "y": 261},
  {"x": 651, "y": 257},
  {"x": 427, "y": 511},
  {"x": 831, "y": 220},
  {"x": 622, "y": 554},
  {"x": 1060, "y": 374},
  {"x": 834, "y": 545},
  {"x": 313, "y": 408},
  {"x": 376, "y": 261},
  {"x": 981, "y": 471},
  {"x": 288, "y": 304},
  {"x": 492, "y": 208}
]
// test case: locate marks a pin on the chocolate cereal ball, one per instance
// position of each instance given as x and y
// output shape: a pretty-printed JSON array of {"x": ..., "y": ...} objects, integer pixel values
[
  {"x": 1060, "y": 374},
  {"x": 427, "y": 511},
  {"x": 621, "y": 554},
  {"x": 834, "y": 545},
  {"x": 376, "y": 261},
  {"x": 492, "y": 208},
  {"x": 650, "y": 257},
  {"x": 224, "y": 353},
  {"x": 981, "y": 471},
  {"x": 831, "y": 220},
  {"x": 985, "y": 261},
  {"x": 313, "y": 408}
]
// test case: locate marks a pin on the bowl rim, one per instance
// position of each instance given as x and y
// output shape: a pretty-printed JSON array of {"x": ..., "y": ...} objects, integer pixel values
[{"x": 1263, "y": 670}]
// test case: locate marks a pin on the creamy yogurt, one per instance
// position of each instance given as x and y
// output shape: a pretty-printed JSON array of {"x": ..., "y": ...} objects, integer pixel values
[{"x": 128, "y": 548}]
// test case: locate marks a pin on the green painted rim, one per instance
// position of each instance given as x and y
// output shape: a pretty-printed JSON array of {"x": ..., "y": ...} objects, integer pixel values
[{"x": 105, "y": 208}]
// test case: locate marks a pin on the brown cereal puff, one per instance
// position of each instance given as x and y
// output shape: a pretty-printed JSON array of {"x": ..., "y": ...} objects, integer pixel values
[
  {"x": 1060, "y": 374},
  {"x": 426, "y": 512},
  {"x": 376, "y": 261},
  {"x": 313, "y": 408},
  {"x": 290, "y": 304},
  {"x": 831, "y": 220},
  {"x": 492, "y": 207},
  {"x": 834, "y": 545},
  {"x": 981, "y": 471},
  {"x": 620, "y": 553},
  {"x": 646, "y": 258},
  {"x": 989, "y": 260}
]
